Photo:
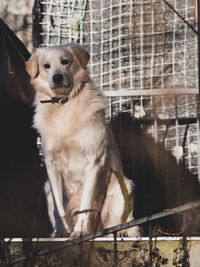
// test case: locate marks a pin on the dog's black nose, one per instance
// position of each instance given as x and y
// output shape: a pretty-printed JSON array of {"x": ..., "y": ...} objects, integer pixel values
[{"x": 58, "y": 79}]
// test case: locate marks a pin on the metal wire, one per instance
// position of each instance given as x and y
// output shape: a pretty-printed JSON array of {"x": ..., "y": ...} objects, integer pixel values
[{"x": 140, "y": 51}]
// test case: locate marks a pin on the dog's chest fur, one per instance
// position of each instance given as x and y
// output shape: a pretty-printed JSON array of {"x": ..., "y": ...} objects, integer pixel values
[{"x": 69, "y": 138}]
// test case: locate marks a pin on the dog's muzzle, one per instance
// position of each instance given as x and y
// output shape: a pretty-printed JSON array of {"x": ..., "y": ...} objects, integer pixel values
[{"x": 60, "y": 81}]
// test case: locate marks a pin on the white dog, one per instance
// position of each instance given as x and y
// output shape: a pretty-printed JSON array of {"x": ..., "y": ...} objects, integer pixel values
[{"x": 87, "y": 190}]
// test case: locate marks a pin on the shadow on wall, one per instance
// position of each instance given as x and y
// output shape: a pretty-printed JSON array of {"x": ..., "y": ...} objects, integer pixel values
[{"x": 160, "y": 182}]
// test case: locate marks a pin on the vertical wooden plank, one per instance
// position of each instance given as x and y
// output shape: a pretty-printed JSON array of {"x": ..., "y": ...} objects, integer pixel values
[{"x": 196, "y": 12}]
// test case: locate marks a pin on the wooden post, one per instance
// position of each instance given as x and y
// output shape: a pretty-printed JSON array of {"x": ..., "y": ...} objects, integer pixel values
[
  {"x": 196, "y": 13},
  {"x": 197, "y": 17}
]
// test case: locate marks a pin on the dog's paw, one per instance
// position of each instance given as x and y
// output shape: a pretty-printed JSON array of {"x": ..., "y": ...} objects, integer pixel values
[
  {"x": 122, "y": 233},
  {"x": 59, "y": 234},
  {"x": 56, "y": 234},
  {"x": 75, "y": 234}
]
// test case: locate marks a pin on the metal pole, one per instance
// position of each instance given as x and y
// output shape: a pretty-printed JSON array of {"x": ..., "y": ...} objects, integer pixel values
[
  {"x": 150, "y": 245},
  {"x": 115, "y": 249}
]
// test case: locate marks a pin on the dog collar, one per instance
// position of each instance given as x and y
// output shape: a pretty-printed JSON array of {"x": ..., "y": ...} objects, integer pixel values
[
  {"x": 61, "y": 100},
  {"x": 54, "y": 100}
]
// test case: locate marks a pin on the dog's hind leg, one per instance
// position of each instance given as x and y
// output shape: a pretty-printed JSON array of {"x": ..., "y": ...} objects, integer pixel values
[{"x": 113, "y": 212}]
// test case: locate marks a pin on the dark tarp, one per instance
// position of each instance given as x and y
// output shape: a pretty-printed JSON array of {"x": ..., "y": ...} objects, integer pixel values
[
  {"x": 14, "y": 80},
  {"x": 22, "y": 201}
]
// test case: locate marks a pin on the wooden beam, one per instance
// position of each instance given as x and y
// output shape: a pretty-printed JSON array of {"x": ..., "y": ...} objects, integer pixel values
[{"x": 153, "y": 92}]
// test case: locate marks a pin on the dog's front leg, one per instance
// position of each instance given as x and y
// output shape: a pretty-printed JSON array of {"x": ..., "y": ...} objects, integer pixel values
[
  {"x": 55, "y": 180},
  {"x": 89, "y": 187}
]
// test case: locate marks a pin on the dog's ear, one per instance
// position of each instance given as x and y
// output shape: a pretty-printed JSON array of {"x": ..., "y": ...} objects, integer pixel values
[
  {"x": 80, "y": 53},
  {"x": 32, "y": 65}
]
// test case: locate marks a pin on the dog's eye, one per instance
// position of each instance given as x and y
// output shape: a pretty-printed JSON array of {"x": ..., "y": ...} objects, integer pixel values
[
  {"x": 64, "y": 61},
  {"x": 47, "y": 66}
]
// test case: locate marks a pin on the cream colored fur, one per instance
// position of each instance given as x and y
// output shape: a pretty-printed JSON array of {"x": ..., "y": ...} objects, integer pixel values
[{"x": 80, "y": 153}]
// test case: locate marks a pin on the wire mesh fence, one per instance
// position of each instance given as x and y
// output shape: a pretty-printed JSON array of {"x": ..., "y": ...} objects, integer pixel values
[
  {"x": 144, "y": 58},
  {"x": 133, "y": 44}
]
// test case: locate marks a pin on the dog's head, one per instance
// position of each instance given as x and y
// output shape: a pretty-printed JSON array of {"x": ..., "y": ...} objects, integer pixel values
[{"x": 58, "y": 67}]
